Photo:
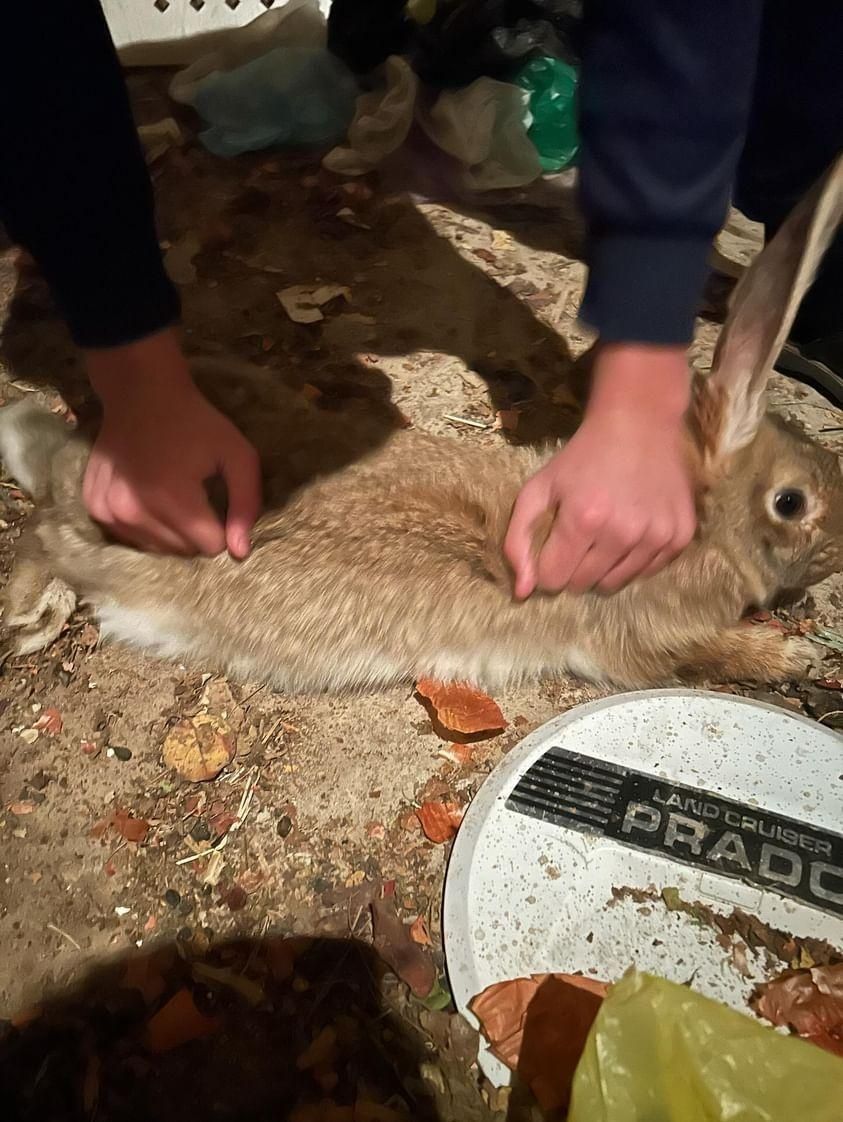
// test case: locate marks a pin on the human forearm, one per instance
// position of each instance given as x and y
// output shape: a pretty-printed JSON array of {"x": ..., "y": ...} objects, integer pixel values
[{"x": 665, "y": 95}]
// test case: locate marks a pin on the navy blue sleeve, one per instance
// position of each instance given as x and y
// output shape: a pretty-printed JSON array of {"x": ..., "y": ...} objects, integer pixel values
[
  {"x": 74, "y": 189},
  {"x": 665, "y": 99}
]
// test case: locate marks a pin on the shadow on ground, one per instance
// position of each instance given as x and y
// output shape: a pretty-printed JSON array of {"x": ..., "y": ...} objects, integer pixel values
[{"x": 293, "y": 1029}]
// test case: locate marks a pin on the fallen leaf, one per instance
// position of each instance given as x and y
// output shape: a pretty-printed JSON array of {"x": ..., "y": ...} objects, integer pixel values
[
  {"x": 459, "y": 754},
  {"x": 142, "y": 974},
  {"x": 439, "y": 998},
  {"x": 506, "y": 420},
  {"x": 221, "y": 823},
  {"x": 235, "y": 898},
  {"x": 248, "y": 989},
  {"x": 321, "y": 1050},
  {"x": 130, "y": 828},
  {"x": 178, "y": 260},
  {"x": 829, "y": 683},
  {"x": 251, "y": 880},
  {"x": 440, "y": 821},
  {"x": 22, "y": 806},
  {"x": 538, "y": 1026},
  {"x": 310, "y": 392},
  {"x": 178, "y": 1022},
  {"x": 810, "y": 1002},
  {"x": 419, "y": 933},
  {"x": 485, "y": 255},
  {"x": 281, "y": 956},
  {"x": 501, "y": 239},
  {"x": 303, "y": 303},
  {"x": 50, "y": 722},
  {"x": 394, "y": 943},
  {"x": 824, "y": 636},
  {"x": 460, "y": 708},
  {"x": 409, "y": 821},
  {"x": 199, "y": 747},
  {"x": 738, "y": 955},
  {"x": 159, "y": 137}
]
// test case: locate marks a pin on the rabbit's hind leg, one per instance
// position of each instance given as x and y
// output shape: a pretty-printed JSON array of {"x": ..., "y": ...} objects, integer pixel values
[
  {"x": 36, "y": 603},
  {"x": 750, "y": 653}
]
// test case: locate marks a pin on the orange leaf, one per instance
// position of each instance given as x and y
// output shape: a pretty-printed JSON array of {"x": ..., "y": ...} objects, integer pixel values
[
  {"x": 394, "y": 943},
  {"x": 439, "y": 821},
  {"x": 321, "y": 1050},
  {"x": 22, "y": 806},
  {"x": 419, "y": 933},
  {"x": 129, "y": 828},
  {"x": 50, "y": 722},
  {"x": 538, "y": 1026},
  {"x": 810, "y": 1002},
  {"x": 178, "y": 1022},
  {"x": 199, "y": 747},
  {"x": 461, "y": 708},
  {"x": 143, "y": 975},
  {"x": 459, "y": 754}
]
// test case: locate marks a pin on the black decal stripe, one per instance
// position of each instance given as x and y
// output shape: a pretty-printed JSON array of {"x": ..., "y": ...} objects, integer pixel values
[{"x": 577, "y": 792}]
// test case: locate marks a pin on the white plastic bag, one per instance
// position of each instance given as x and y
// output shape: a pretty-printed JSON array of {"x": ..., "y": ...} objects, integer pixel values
[{"x": 382, "y": 121}]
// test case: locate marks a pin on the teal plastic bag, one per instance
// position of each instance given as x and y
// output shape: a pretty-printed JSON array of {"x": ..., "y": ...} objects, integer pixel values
[{"x": 552, "y": 86}]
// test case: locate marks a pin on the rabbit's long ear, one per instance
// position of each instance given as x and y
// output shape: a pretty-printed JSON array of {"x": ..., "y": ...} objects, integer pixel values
[{"x": 760, "y": 317}]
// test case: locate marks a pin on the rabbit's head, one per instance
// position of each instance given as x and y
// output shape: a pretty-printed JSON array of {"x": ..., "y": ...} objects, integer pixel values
[{"x": 774, "y": 493}]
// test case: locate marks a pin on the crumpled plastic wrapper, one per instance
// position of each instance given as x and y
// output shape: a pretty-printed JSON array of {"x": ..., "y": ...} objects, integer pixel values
[
  {"x": 660, "y": 1051},
  {"x": 652, "y": 1051}
]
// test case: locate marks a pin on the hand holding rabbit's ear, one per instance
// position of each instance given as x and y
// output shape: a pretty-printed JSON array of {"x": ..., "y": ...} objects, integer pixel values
[{"x": 764, "y": 305}]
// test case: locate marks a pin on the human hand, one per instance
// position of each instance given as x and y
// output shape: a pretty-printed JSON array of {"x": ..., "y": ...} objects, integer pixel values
[
  {"x": 159, "y": 442},
  {"x": 620, "y": 489}
]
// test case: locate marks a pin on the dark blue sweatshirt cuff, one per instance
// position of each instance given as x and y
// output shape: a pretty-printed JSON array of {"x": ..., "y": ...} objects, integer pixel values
[{"x": 644, "y": 289}]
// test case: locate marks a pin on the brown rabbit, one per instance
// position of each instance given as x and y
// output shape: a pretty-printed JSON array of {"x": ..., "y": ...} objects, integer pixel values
[{"x": 390, "y": 567}]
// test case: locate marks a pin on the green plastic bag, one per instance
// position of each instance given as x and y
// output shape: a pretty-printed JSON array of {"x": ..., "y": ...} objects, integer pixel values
[
  {"x": 658, "y": 1052},
  {"x": 552, "y": 86}
]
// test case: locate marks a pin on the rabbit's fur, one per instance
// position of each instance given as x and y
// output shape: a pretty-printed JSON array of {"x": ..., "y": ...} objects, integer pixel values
[{"x": 382, "y": 568}]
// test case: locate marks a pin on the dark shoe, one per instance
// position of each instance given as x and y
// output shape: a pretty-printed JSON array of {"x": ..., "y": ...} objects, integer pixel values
[{"x": 818, "y": 364}]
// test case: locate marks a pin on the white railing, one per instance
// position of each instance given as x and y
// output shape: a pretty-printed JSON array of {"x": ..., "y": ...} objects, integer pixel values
[{"x": 153, "y": 32}]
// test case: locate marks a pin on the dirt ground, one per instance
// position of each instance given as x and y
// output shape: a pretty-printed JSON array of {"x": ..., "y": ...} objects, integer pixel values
[{"x": 455, "y": 318}]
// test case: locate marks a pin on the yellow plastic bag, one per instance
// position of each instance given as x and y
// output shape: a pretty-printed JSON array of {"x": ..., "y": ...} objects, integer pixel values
[{"x": 658, "y": 1052}]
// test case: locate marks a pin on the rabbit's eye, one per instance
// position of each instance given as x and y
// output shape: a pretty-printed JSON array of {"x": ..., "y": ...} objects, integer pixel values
[{"x": 789, "y": 503}]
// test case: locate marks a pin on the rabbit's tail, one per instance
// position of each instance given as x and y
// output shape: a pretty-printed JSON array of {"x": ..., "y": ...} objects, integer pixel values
[{"x": 30, "y": 438}]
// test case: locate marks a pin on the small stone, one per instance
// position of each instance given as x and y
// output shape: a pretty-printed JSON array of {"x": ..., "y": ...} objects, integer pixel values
[
  {"x": 172, "y": 898},
  {"x": 121, "y": 752},
  {"x": 39, "y": 780},
  {"x": 200, "y": 831},
  {"x": 285, "y": 826},
  {"x": 185, "y": 934},
  {"x": 185, "y": 907}
]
